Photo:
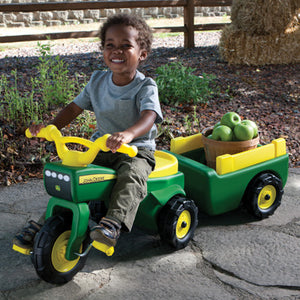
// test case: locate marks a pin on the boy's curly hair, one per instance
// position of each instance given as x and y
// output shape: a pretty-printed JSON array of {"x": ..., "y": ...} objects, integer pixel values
[{"x": 144, "y": 39}]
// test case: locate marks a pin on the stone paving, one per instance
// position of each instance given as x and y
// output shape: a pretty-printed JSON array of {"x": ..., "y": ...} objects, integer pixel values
[{"x": 231, "y": 256}]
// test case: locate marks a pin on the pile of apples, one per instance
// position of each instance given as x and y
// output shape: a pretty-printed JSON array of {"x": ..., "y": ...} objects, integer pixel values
[{"x": 232, "y": 128}]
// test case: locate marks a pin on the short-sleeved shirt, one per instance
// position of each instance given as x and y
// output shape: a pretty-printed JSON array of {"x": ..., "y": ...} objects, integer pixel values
[{"x": 119, "y": 107}]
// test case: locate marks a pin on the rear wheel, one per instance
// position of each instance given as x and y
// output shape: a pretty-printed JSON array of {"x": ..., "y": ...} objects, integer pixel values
[
  {"x": 177, "y": 221},
  {"x": 50, "y": 249},
  {"x": 263, "y": 195}
]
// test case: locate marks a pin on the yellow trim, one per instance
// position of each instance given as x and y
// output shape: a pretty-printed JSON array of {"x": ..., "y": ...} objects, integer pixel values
[
  {"x": 108, "y": 250},
  {"x": 184, "y": 144},
  {"x": 184, "y": 217},
  {"x": 21, "y": 250},
  {"x": 229, "y": 163},
  {"x": 93, "y": 178},
  {"x": 166, "y": 164},
  {"x": 58, "y": 258}
]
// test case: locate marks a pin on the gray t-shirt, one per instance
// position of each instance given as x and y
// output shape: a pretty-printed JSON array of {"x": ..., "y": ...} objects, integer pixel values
[{"x": 119, "y": 107}]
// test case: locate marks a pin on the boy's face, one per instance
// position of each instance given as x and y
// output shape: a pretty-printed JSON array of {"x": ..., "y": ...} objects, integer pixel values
[{"x": 121, "y": 53}]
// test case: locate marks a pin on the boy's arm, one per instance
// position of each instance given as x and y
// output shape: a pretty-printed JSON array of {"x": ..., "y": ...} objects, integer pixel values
[
  {"x": 67, "y": 115},
  {"x": 64, "y": 117},
  {"x": 142, "y": 126}
]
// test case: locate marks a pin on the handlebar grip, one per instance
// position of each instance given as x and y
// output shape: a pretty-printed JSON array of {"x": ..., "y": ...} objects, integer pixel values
[
  {"x": 46, "y": 132},
  {"x": 129, "y": 150},
  {"x": 28, "y": 133}
]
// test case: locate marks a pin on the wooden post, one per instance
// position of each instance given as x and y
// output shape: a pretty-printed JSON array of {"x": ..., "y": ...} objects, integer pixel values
[{"x": 189, "y": 12}]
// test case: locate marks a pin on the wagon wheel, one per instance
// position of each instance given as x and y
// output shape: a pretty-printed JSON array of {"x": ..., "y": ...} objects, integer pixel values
[
  {"x": 177, "y": 221},
  {"x": 263, "y": 195},
  {"x": 49, "y": 252}
]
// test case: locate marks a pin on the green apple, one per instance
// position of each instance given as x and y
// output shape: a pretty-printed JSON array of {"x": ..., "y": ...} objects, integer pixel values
[
  {"x": 210, "y": 136},
  {"x": 243, "y": 132},
  {"x": 217, "y": 124},
  {"x": 230, "y": 119},
  {"x": 222, "y": 133},
  {"x": 251, "y": 123},
  {"x": 234, "y": 138}
]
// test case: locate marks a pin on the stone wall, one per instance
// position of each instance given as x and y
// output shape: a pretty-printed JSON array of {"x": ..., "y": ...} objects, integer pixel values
[{"x": 68, "y": 17}]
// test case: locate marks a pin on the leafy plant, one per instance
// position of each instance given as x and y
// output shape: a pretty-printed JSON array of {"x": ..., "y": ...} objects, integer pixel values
[
  {"x": 164, "y": 129},
  {"x": 15, "y": 106},
  {"x": 53, "y": 82},
  {"x": 1, "y": 138},
  {"x": 51, "y": 87},
  {"x": 177, "y": 85},
  {"x": 191, "y": 124},
  {"x": 87, "y": 123}
]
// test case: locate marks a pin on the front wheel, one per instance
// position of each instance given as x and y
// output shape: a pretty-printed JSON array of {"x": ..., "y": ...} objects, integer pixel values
[
  {"x": 177, "y": 221},
  {"x": 50, "y": 249},
  {"x": 263, "y": 195}
]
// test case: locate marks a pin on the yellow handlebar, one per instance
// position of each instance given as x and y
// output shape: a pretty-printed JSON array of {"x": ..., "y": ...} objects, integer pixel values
[{"x": 76, "y": 158}]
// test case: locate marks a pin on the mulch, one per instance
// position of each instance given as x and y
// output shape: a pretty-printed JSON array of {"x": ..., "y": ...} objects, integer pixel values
[{"x": 268, "y": 95}]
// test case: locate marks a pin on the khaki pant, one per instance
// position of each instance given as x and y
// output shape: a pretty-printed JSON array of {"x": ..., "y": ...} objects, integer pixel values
[{"x": 131, "y": 183}]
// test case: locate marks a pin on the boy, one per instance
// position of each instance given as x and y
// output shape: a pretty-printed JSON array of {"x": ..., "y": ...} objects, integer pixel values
[{"x": 126, "y": 105}]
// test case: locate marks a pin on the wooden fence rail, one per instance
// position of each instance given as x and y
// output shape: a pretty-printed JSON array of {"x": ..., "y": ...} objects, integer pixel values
[{"x": 188, "y": 27}]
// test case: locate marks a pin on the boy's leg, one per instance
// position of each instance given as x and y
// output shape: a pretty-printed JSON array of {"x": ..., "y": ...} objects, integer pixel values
[
  {"x": 129, "y": 190},
  {"x": 130, "y": 187}
]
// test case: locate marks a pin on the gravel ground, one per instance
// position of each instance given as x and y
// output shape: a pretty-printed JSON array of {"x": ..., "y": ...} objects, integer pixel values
[{"x": 268, "y": 95}]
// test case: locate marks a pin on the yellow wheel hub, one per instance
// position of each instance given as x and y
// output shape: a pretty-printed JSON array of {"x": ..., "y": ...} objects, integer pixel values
[
  {"x": 266, "y": 197},
  {"x": 59, "y": 261},
  {"x": 183, "y": 224}
]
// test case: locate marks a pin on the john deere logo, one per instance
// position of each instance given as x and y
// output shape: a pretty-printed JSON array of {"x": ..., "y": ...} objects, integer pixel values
[
  {"x": 57, "y": 188},
  {"x": 87, "y": 179}
]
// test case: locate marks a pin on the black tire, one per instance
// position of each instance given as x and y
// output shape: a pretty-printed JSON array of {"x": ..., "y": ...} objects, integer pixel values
[
  {"x": 177, "y": 221},
  {"x": 263, "y": 195},
  {"x": 49, "y": 249}
]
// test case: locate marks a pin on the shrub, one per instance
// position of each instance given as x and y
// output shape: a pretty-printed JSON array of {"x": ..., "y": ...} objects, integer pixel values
[
  {"x": 51, "y": 87},
  {"x": 178, "y": 85}
]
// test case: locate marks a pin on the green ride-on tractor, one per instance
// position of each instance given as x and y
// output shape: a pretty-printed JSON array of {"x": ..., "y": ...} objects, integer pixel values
[{"x": 180, "y": 185}]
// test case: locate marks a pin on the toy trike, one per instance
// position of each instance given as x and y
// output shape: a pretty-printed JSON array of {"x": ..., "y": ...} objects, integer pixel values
[
  {"x": 61, "y": 247},
  {"x": 78, "y": 188}
]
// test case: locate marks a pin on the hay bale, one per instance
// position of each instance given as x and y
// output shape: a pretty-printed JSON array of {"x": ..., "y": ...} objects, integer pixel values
[
  {"x": 261, "y": 17},
  {"x": 295, "y": 23},
  {"x": 237, "y": 47}
]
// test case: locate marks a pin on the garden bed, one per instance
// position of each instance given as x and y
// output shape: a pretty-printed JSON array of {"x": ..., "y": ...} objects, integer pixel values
[{"x": 268, "y": 95}]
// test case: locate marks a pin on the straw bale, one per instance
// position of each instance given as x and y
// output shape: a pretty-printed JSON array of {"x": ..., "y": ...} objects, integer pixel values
[
  {"x": 295, "y": 22},
  {"x": 261, "y": 17},
  {"x": 237, "y": 47}
]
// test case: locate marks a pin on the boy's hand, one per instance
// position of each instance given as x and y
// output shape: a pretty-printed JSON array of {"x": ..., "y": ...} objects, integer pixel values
[
  {"x": 117, "y": 139},
  {"x": 35, "y": 128}
]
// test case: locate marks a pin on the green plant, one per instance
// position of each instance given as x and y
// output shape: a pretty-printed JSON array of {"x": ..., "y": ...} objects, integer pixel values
[
  {"x": 51, "y": 87},
  {"x": 191, "y": 124},
  {"x": 87, "y": 123},
  {"x": 177, "y": 85},
  {"x": 1, "y": 138},
  {"x": 53, "y": 82},
  {"x": 163, "y": 129},
  {"x": 15, "y": 106}
]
